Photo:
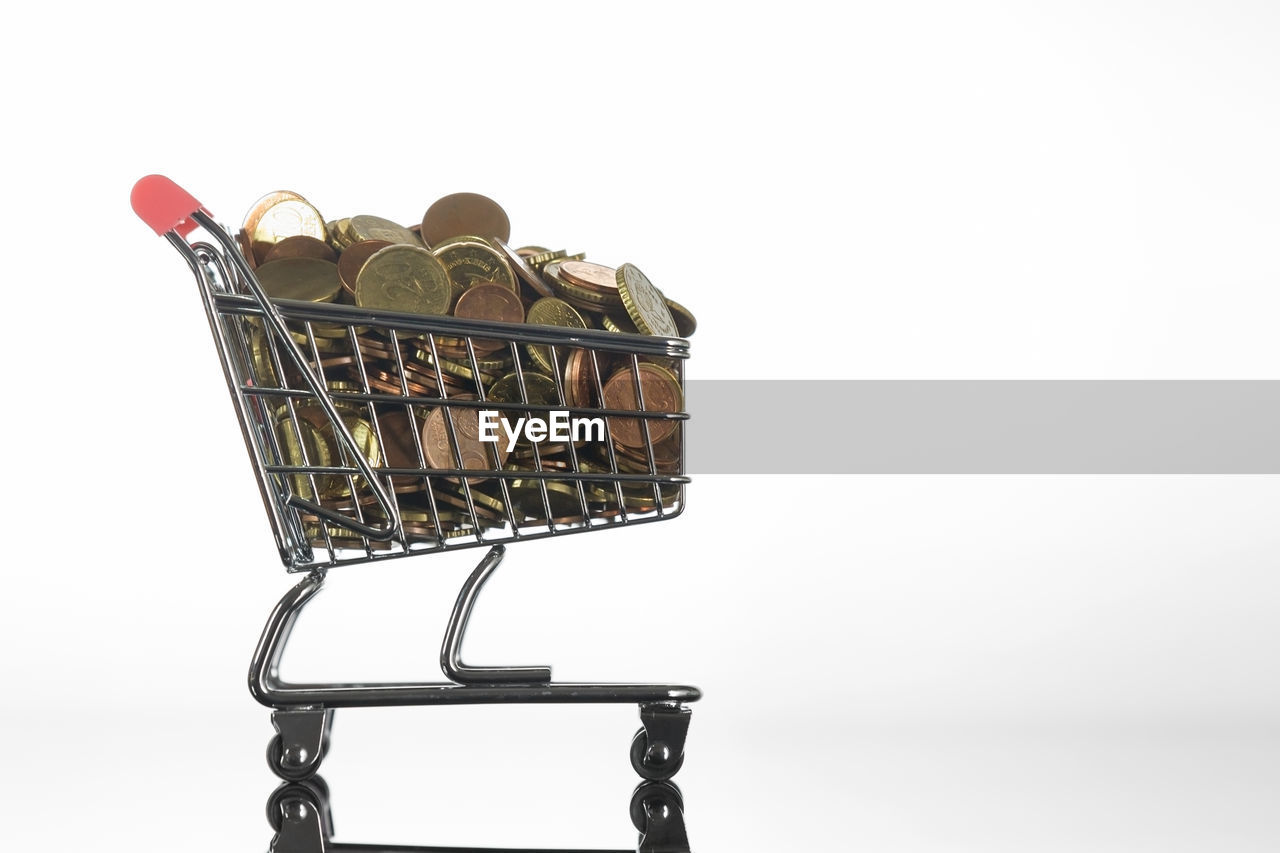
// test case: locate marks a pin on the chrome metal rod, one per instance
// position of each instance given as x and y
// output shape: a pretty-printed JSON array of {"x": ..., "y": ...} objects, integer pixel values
[{"x": 451, "y": 650}]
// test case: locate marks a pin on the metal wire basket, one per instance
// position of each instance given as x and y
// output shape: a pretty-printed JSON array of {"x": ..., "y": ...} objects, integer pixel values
[{"x": 306, "y": 378}]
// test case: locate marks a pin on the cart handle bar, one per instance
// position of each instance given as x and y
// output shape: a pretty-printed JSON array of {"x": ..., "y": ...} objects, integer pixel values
[{"x": 174, "y": 213}]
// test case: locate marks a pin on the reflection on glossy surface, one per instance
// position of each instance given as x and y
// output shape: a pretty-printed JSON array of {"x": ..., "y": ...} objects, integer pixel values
[{"x": 302, "y": 817}]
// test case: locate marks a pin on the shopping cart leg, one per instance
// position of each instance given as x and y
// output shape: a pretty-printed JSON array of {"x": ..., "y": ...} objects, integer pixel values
[
  {"x": 657, "y": 750},
  {"x": 303, "y": 713},
  {"x": 451, "y": 650}
]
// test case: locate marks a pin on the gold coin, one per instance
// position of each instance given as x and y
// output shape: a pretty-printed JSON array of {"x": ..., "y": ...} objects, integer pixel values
[
  {"x": 366, "y": 227},
  {"x": 541, "y": 259},
  {"x": 423, "y": 516},
  {"x": 563, "y": 497},
  {"x": 645, "y": 303},
  {"x": 340, "y": 233},
  {"x": 366, "y": 439},
  {"x": 454, "y": 368},
  {"x": 306, "y": 279},
  {"x": 540, "y": 388},
  {"x": 686, "y": 323},
  {"x": 550, "y": 311},
  {"x": 620, "y": 323},
  {"x": 323, "y": 344},
  {"x": 403, "y": 278},
  {"x": 264, "y": 369},
  {"x": 283, "y": 214},
  {"x": 477, "y": 496},
  {"x": 472, "y": 263},
  {"x": 314, "y": 450},
  {"x": 461, "y": 238},
  {"x": 464, "y": 213},
  {"x": 530, "y": 251}
]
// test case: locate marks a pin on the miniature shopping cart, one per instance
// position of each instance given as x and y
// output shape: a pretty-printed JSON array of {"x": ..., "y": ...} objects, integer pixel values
[{"x": 318, "y": 387}]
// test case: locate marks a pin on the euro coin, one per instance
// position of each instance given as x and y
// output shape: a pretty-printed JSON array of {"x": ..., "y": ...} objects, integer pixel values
[
  {"x": 305, "y": 279},
  {"x": 471, "y": 263},
  {"x": 366, "y": 227},
  {"x": 464, "y": 213},
  {"x": 280, "y": 215},
  {"x": 403, "y": 278},
  {"x": 550, "y": 311},
  {"x": 644, "y": 303},
  {"x": 661, "y": 391},
  {"x": 686, "y": 323},
  {"x": 301, "y": 246}
]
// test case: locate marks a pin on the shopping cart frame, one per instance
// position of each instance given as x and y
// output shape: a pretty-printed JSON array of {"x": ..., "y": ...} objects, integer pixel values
[{"x": 303, "y": 713}]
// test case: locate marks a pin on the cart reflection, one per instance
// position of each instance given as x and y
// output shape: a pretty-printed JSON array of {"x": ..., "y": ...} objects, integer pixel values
[{"x": 301, "y": 815}]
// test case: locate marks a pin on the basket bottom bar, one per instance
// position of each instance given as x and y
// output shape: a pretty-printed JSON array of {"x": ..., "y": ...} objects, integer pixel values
[{"x": 278, "y": 695}]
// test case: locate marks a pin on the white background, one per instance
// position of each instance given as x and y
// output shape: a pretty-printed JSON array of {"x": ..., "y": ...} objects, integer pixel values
[{"x": 982, "y": 190}]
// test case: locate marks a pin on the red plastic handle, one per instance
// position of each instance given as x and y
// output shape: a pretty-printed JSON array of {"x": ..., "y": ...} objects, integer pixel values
[{"x": 164, "y": 205}]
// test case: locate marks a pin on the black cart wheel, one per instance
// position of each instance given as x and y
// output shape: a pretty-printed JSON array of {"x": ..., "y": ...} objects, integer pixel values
[
  {"x": 661, "y": 794},
  {"x": 656, "y": 762},
  {"x": 313, "y": 794},
  {"x": 290, "y": 771}
]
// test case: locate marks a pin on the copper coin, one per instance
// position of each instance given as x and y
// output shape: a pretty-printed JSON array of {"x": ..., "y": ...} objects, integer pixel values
[
  {"x": 464, "y": 213},
  {"x": 594, "y": 277},
  {"x": 400, "y": 438},
  {"x": 578, "y": 379},
  {"x": 389, "y": 383},
  {"x": 489, "y": 301},
  {"x": 377, "y": 347},
  {"x": 427, "y": 375},
  {"x": 472, "y": 452},
  {"x": 392, "y": 386},
  {"x": 246, "y": 249},
  {"x": 353, "y": 258},
  {"x": 302, "y": 246},
  {"x": 661, "y": 392},
  {"x": 666, "y": 455}
]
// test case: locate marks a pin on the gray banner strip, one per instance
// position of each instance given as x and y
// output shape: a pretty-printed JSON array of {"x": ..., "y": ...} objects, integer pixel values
[{"x": 983, "y": 427}]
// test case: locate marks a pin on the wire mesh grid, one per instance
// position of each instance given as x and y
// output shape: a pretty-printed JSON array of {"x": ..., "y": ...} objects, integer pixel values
[{"x": 409, "y": 391}]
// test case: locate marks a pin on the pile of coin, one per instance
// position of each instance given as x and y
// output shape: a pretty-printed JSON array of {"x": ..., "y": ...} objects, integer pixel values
[{"x": 457, "y": 262}]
